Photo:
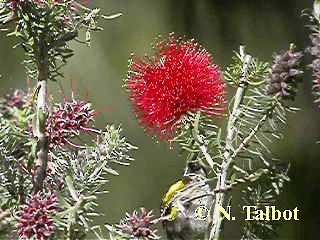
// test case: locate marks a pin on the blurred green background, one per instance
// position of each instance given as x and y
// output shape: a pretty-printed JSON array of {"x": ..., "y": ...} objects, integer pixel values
[{"x": 264, "y": 26}]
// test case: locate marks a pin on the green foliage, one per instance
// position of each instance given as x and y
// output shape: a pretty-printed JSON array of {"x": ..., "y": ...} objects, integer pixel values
[
  {"x": 89, "y": 167},
  {"x": 259, "y": 120},
  {"x": 264, "y": 193},
  {"x": 46, "y": 28},
  {"x": 15, "y": 183},
  {"x": 256, "y": 73},
  {"x": 116, "y": 235},
  {"x": 313, "y": 17},
  {"x": 316, "y": 9},
  {"x": 76, "y": 174},
  {"x": 13, "y": 150},
  {"x": 6, "y": 224},
  {"x": 81, "y": 175},
  {"x": 241, "y": 149},
  {"x": 200, "y": 131}
]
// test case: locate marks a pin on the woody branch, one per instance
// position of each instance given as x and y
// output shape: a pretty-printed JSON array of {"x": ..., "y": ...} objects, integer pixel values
[
  {"x": 222, "y": 176},
  {"x": 41, "y": 115}
]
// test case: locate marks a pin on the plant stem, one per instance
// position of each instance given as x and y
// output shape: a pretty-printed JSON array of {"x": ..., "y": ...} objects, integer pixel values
[
  {"x": 222, "y": 176},
  {"x": 202, "y": 146},
  {"x": 41, "y": 115},
  {"x": 204, "y": 151},
  {"x": 254, "y": 130}
]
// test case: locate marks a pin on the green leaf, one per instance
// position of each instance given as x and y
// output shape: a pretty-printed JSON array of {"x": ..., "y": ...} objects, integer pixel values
[
  {"x": 112, "y": 16},
  {"x": 71, "y": 188},
  {"x": 88, "y": 37}
]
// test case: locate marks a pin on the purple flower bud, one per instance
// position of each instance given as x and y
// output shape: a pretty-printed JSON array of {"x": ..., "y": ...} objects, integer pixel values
[
  {"x": 314, "y": 50},
  {"x": 284, "y": 74},
  {"x": 138, "y": 225},
  {"x": 67, "y": 120},
  {"x": 35, "y": 216}
]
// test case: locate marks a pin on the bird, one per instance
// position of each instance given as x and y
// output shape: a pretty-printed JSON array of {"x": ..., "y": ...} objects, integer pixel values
[{"x": 186, "y": 205}]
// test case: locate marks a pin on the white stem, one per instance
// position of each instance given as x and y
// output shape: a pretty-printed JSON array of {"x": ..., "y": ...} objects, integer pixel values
[
  {"x": 204, "y": 151},
  {"x": 221, "y": 183}
]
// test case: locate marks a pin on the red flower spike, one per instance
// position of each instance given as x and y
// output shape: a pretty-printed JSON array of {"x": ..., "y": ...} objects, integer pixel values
[
  {"x": 180, "y": 78},
  {"x": 34, "y": 218},
  {"x": 68, "y": 120},
  {"x": 14, "y": 4},
  {"x": 138, "y": 225}
]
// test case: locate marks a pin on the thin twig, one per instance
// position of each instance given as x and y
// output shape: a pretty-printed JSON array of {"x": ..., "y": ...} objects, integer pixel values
[
  {"x": 205, "y": 153},
  {"x": 254, "y": 131},
  {"x": 202, "y": 146},
  {"x": 62, "y": 39}
]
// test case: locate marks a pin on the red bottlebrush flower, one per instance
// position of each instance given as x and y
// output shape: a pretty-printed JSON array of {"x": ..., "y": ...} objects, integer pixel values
[
  {"x": 35, "y": 217},
  {"x": 180, "y": 78},
  {"x": 137, "y": 225},
  {"x": 67, "y": 121}
]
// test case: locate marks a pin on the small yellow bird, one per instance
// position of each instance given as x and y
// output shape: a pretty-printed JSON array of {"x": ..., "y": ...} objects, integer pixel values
[{"x": 186, "y": 205}]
